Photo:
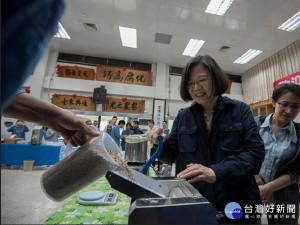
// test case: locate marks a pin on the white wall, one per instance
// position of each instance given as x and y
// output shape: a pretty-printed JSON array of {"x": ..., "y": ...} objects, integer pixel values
[{"x": 45, "y": 82}]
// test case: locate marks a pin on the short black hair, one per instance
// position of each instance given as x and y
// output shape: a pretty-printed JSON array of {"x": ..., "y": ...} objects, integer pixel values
[
  {"x": 115, "y": 117},
  {"x": 285, "y": 88},
  {"x": 121, "y": 122},
  {"x": 136, "y": 122},
  {"x": 128, "y": 124},
  {"x": 151, "y": 121},
  {"x": 219, "y": 78},
  {"x": 165, "y": 122}
]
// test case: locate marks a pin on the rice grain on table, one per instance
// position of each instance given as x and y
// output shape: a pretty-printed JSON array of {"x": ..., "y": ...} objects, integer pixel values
[{"x": 122, "y": 163}]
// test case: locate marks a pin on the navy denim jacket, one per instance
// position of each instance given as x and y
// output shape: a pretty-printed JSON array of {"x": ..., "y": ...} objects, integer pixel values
[{"x": 233, "y": 149}]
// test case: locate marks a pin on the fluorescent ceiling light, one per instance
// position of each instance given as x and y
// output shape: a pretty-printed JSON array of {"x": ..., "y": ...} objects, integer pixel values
[
  {"x": 218, "y": 7},
  {"x": 291, "y": 24},
  {"x": 128, "y": 37},
  {"x": 61, "y": 33},
  {"x": 193, "y": 47},
  {"x": 250, "y": 54}
]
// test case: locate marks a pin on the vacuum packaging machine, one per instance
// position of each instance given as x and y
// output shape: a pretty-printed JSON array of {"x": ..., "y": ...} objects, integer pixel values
[{"x": 162, "y": 200}]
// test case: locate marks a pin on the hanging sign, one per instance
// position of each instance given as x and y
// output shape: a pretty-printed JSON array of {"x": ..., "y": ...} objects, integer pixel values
[
  {"x": 74, "y": 102},
  {"x": 75, "y": 72},
  {"x": 123, "y": 105},
  {"x": 159, "y": 112},
  {"x": 294, "y": 78},
  {"x": 123, "y": 75}
]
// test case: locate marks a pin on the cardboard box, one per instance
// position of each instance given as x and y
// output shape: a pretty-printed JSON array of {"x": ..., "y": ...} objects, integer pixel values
[{"x": 12, "y": 140}]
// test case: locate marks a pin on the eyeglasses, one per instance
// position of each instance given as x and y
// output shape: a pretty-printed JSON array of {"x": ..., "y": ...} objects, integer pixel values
[
  {"x": 285, "y": 105},
  {"x": 201, "y": 81}
]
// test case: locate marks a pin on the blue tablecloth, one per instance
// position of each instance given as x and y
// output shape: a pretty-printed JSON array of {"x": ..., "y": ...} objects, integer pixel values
[{"x": 14, "y": 154}]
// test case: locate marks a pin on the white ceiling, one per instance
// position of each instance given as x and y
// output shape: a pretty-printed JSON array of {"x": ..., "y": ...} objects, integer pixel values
[{"x": 246, "y": 24}]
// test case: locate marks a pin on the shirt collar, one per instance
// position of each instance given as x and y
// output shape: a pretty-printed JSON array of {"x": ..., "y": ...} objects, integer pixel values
[{"x": 267, "y": 123}]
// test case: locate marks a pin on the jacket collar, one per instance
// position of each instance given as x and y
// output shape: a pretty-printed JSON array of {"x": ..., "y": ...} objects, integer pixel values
[{"x": 221, "y": 103}]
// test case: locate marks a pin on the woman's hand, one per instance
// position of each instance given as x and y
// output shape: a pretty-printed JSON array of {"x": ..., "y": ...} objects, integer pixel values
[
  {"x": 76, "y": 129},
  {"x": 198, "y": 172},
  {"x": 264, "y": 193}
]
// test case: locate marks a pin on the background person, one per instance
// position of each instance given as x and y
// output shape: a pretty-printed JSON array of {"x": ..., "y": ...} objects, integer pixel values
[
  {"x": 165, "y": 128},
  {"x": 19, "y": 129},
  {"x": 135, "y": 127},
  {"x": 95, "y": 123},
  {"x": 115, "y": 133},
  {"x": 125, "y": 133},
  {"x": 214, "y": 142},
  {"x": 111, "y": 123},
  {"x": 150, "y": 125},
  {"x": 280, "y": 169}
]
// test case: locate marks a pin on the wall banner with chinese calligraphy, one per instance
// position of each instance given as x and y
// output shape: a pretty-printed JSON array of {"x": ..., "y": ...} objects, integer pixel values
[
  {"x": 75, "y": 72},
  {"x": 159, "y": 111},
  {"x": 124, "y": 105},
  {"x": 74, "y": 102},
  {"x": 124, "y": 75}
]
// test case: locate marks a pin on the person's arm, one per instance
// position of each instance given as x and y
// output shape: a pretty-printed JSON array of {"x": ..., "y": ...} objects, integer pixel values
[
  {"x": 26, "y": 128},
  {"x": 29, "y": 108},
  {"x": 117, "y": 132},
  {"x": 10, "y": 129},
  {"x": 275, "y": 185},
  {"x": 124, "y": 135}
]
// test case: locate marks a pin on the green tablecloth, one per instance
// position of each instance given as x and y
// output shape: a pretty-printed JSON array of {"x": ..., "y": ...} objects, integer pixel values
[{"x": 74, "y": 213}]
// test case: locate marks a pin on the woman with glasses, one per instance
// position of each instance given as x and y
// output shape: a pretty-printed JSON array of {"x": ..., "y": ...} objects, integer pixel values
[
  {"x": 215, "y": 142},
  {"x": 280, "y": 170}
]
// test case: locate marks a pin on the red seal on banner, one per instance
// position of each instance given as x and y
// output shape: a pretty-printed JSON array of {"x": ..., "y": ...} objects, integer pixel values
[
  {"x": 74, "y": 95},
  {"x": 143, "y": 100},
  {"x": 124, "y": 68},
  {"x": 99, "y": 65},
  {"x": 124, "y": 99},
  {"x": 75, "y": 67},
  {"x": 57, "y": 67},
  {"x": 90, "y": 97},
  {"x": 55, "y": 94}
]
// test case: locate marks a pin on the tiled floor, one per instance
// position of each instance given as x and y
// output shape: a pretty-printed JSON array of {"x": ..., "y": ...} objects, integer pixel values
[{"x": 22, "y": 199}]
